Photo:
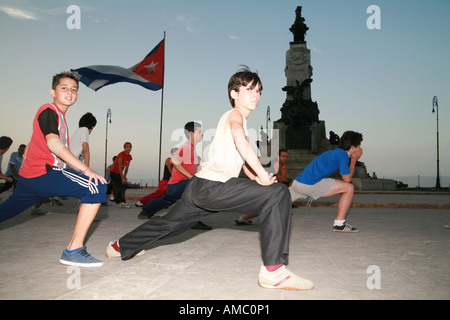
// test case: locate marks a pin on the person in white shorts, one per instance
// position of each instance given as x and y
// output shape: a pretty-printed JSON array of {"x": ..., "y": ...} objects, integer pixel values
[{"x": 314, "y": 181}]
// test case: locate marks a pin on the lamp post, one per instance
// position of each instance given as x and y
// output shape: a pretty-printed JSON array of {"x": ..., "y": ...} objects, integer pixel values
[
  {"x": 267, "y": 121},
  {"x": 435, "y": 104},
  {"x": 108, "y": 116}
]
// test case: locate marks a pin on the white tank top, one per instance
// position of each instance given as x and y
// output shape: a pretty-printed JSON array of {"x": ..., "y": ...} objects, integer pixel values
[{"x": 224, "y": 160}]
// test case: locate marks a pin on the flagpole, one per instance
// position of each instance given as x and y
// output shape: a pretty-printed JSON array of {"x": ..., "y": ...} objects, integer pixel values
[
  {"x": 108, "y": 116},
  {"x": 162, "y": 104}
]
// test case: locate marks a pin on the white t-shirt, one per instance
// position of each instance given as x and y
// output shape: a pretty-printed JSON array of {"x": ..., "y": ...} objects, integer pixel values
[
  {"x": 76, "y": 142},
  {"x": 224, "y": 160}
]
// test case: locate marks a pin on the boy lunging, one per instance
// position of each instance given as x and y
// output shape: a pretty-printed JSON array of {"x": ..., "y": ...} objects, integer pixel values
[{"x": 216, "y": 187}]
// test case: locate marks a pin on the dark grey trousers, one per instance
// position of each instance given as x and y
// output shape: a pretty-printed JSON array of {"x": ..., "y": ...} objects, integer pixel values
[{"x": 203, "y": 197}]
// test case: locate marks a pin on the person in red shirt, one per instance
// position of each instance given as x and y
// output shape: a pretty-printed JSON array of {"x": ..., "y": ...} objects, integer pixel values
[
  {"x": 162, "y": 185},
  {"x": 43, "y": 172},
  {"x": 185, "y": 163},
  {"x": 118, "y": 175}
]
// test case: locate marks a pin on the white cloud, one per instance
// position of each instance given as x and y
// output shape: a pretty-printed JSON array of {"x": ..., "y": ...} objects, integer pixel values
[
  {"x": 316, "y": 50},
  {"x": 18, "y": 13},
  {"x": 187, "y": 22},
  {"x": 233, "y": 37}
]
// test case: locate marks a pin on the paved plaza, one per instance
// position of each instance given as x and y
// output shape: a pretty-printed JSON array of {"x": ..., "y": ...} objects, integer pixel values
[{"x": 402, "y": 251}]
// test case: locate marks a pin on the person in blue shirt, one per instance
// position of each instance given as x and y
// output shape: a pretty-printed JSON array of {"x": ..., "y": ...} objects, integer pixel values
[
  {"x": 14, "y": 164},
  {"x": 314, "y": 181}
]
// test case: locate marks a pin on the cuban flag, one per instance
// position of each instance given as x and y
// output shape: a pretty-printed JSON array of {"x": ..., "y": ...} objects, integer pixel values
[{"x": 148, "y": 73}]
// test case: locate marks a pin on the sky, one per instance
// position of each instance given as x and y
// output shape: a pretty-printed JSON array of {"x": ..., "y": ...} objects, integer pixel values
[{"x": 380, "y": 82}]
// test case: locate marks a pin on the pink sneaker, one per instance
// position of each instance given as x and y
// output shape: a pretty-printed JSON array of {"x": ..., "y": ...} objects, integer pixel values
[
  {"x": 282, "y": 278},
  {"x": 123, "y": 205},
  {"x": 112, "y": 252}
]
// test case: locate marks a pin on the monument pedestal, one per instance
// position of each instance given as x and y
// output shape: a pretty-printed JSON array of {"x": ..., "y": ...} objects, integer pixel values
[
  {"x": 311, "y": 138},
  {"x": 297, "y": 160}
]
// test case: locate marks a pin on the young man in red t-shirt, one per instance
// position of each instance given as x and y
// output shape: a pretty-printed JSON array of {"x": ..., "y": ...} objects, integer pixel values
[
  {"x": 118, "y": 175},
  {"x": 185, "y": 163},
  {"x": 43, "y": 173}
]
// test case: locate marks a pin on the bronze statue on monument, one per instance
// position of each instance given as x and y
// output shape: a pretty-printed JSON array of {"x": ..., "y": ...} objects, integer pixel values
[{"x": 299, "y": 27}]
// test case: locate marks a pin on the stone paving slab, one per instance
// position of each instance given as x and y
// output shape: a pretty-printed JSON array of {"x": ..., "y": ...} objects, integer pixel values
[{"x": 403, "y": 250}]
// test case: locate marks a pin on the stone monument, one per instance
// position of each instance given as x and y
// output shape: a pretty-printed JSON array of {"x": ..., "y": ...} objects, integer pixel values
[
  {"x": 299, "y": 129},
  {"x": 299, "y": 126}
]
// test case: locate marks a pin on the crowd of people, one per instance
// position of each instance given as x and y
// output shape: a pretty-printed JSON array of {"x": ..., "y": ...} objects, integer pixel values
[{"x": 52, "y": 165}]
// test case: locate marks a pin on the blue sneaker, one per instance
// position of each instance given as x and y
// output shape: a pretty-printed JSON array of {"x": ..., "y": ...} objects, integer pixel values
[{"x": 79, "y": 258}]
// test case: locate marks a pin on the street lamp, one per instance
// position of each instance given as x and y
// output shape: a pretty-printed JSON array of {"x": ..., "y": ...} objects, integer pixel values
[
  {"x": 267, "y": 121},
  {"x": 108, "y": 116},
  {"x": 435, "y": 104}
]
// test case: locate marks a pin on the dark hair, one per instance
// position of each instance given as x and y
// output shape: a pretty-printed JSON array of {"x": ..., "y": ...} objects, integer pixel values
[
  {"x": 5, "y": 142},
  {"x": 282, "y": 150},
  {"x": 190, "y": 127},
  {"x": 125, "y": 144},
  {"x": 350, "y": 139},
  {"x": 87, "y": 120},
  {"x": 65, "y": 74},
  {"x": 243, "y": 77}
]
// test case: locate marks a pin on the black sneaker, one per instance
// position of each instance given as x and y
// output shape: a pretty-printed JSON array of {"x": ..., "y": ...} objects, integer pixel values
[
  {"x": 242, "y": 222},
  {"x": 345, "y": 228},
  {"x": 142, "y": 215},
  {"x": 55, "y": 202}
]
